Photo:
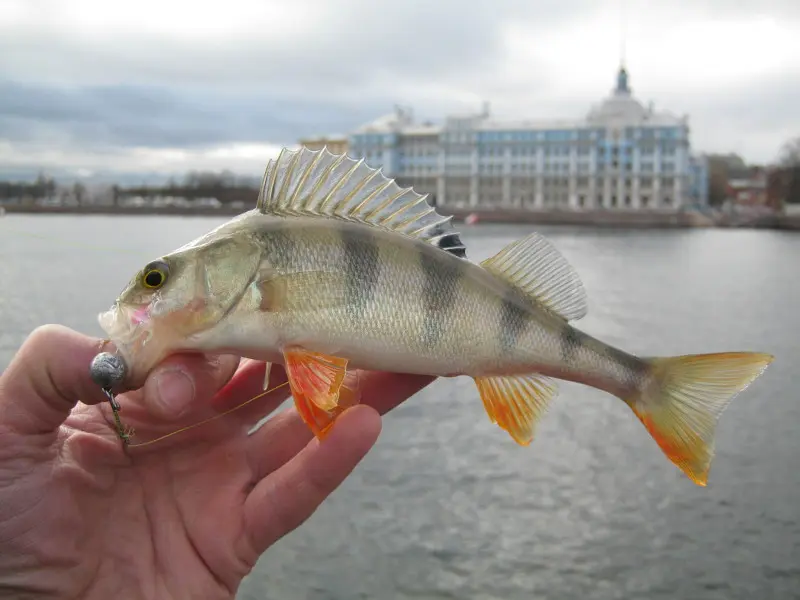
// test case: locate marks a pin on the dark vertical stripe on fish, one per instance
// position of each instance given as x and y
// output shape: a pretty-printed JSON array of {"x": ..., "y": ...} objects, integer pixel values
[
  {"x": 280, "y": 244},
  {"x": 635, "y": 368},
  {"x": 571, "y": 340},
  {"x": 361, "y": 270},
  {"x": 439, "y": 294},
  {"x": 513, "y": 321}
]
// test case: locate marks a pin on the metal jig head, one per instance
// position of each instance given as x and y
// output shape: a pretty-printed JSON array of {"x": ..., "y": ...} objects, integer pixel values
[{"x": 107, "y": 370}]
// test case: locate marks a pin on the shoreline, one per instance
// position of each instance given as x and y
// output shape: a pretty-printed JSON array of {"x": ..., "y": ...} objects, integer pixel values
[{"x": 610, "y": 219}]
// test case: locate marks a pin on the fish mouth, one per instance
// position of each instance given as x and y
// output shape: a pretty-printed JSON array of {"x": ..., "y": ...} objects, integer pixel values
[
  {"x": 122, "y": 322},
  {"x": 129, "y": 327}
]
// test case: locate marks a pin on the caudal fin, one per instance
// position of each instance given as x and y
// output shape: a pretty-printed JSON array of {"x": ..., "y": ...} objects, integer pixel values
[{"x": 684, "y": 397}]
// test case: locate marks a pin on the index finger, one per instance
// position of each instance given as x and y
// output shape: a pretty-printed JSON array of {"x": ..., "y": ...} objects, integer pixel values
[{"x": 47, "y": 377}]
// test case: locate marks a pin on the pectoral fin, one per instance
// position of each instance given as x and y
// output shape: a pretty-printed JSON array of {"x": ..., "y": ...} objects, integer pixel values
[
  {"x": 321, "y": 387},
  {"x": 302, "y": 291}
]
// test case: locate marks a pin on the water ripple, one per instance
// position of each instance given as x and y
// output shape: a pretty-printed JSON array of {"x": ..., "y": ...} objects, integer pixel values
[{"x": 446, "y": 506}]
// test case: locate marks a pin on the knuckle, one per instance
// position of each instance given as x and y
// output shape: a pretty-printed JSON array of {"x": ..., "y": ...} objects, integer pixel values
[{"x": 47, "y": 334}]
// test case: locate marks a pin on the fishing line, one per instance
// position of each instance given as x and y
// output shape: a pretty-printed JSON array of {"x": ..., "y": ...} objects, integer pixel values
[{"x": 227, "y": 412}]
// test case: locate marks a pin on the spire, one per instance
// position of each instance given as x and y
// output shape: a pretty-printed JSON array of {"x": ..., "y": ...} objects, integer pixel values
[
  {"x": 623, "y": 33},
  {"x": 622, "y": 88}
]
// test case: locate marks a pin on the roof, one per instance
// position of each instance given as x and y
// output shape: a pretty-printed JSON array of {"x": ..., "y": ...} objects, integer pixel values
[
  {"x": 620, "y": 109},
  {"x": 320, "y": 138},
  {"x": 538, "y": 124},
  {"x": 747, "y": 183}
]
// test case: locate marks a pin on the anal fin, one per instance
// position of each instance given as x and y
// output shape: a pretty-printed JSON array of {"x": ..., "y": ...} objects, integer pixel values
[
  {"x": 321, "y": 386},
  {"x": 517, "y": 403}
]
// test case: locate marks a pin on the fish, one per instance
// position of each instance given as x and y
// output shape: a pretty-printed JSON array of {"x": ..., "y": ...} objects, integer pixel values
[{"x": 338, "y": 269}]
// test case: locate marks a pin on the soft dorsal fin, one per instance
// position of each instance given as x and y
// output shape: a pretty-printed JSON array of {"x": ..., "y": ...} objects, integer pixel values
[
  {"x": 318, "y": 183},
  {"x": 537, "y": 269}
]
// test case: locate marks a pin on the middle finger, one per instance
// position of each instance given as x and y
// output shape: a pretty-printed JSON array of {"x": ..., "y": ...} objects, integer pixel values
[{"x": 278, "y": 440}]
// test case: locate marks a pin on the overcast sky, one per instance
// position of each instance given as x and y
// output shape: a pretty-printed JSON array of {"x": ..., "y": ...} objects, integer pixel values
[{"x": 167, "y": 86}]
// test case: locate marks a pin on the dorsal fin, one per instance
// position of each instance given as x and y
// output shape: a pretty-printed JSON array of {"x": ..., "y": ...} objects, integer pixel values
[
  {"x": 537, "y": 269},
  {"x": 318, "y": 183}
]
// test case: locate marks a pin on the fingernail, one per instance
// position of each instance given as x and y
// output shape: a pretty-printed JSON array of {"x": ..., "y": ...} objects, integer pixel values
[{"x": 175, "y": 391}]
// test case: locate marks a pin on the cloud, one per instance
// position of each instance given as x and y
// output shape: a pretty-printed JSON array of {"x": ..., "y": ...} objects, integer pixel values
[
  {"x": 159, "y": 116},
  {"x": 90, "y": 83},
  {"x": 244, "y": 159}
]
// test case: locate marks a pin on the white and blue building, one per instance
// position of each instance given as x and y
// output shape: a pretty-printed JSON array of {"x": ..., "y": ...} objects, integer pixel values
[{"x": 621, "y": 156}]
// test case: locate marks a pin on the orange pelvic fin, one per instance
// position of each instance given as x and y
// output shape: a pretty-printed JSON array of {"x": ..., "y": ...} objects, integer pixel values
[
  {"x": 321, "y": 387},
  {"x": 516, "y": 403}
]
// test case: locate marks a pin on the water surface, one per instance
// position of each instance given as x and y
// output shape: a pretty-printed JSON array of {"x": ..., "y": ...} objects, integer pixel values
[{"x": 447, "y": 506}]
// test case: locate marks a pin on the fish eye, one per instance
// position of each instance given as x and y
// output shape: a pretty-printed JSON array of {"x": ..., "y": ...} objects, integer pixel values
[{"x": 155, "y": 275}]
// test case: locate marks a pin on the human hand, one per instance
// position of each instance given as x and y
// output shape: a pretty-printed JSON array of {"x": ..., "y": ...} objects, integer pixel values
[{"x": 187, "y": 517}]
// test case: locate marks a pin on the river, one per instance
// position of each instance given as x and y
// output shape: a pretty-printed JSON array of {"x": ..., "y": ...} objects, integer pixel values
[{"x": 447, "y": 506}]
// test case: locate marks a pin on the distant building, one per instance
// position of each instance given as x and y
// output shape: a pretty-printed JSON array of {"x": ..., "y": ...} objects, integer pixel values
[
  {"x": 698, "y": 176},
  {"x": 337, "y": 144},
  {"x": 763, "y": 188},
  {"x": 622, "y": 155},
  {"x": 751, "y": 191}
]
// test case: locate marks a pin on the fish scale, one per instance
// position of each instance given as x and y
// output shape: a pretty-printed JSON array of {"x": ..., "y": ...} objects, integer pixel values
[{"x": 338, "y": 268}]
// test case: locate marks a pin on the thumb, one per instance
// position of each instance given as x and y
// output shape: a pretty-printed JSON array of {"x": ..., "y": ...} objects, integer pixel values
[
  {"x": 46, "y": 379},
  {"x": 184, "y": 384}
]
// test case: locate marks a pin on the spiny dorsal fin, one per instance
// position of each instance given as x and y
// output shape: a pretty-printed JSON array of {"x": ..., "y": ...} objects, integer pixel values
[
  {"x": 318, "y": 183},
  {"x": 537, "y": 269}
]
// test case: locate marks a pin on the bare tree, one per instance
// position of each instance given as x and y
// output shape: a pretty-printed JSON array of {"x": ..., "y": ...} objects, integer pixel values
[
  {"x": 790, "y": 153},
  {"x": 79, "y": 190},
  {"x": 721, "y": 169},
  {"x": 786, "y": 177}
]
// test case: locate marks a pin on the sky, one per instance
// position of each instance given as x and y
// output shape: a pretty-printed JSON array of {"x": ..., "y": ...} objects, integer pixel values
[{"x": 158, "y": 87}]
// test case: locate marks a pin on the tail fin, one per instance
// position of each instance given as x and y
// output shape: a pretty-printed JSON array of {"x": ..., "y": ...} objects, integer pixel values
[{"x": 684, "y": 397}]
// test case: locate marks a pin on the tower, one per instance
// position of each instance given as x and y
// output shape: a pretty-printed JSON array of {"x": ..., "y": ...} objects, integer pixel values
[{"x": 622, "y": 88}]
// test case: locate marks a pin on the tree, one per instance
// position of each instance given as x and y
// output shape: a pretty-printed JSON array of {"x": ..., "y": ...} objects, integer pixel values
[
  {"x": 790, "y": 153},
  {"x": 78, "y": 191},
  {"x": 788, "y": 172},
  {"x": 721, "y": 169}
]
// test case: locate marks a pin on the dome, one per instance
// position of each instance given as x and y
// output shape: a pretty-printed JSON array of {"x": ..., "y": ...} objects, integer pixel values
[{"x": 620, "y": 106}]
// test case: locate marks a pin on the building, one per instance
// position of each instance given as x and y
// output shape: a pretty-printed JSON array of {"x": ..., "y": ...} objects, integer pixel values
[
  {"x": 748, "y": 192},
  {"x": 336, "y": 144},
  {"x": 621, "y": 155},
  {"x": 760, "y": 190},
  {"x": 699, "y": 182}
]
